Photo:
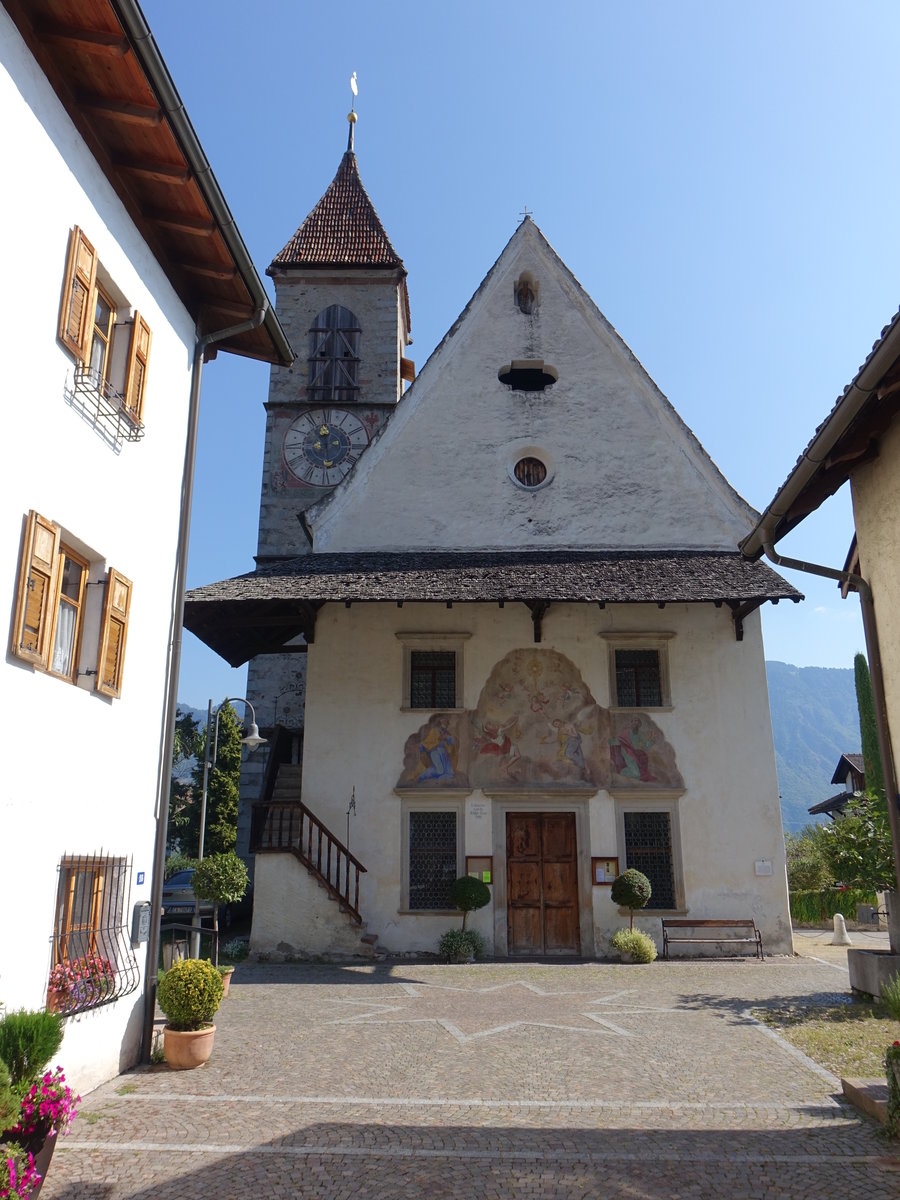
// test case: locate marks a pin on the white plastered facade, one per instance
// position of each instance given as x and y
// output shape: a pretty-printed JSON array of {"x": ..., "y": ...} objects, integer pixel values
[
  {"x": 81, "y": 774},
  {"x": 623, "y": 472}
]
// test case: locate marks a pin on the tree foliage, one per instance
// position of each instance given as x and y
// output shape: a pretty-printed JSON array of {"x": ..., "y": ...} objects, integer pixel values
[
  {"x": 221, "y": 792},
  {"x": 857, "y": 846},
  {"x": 807, "y": 866},
  {"x": 631, "y": 890},
  {"x": 469, "y": 894},
  {"x": 187, "y": 747},
  {"x": 868, "y": 726},
  {"x": 223, "y": 879}
]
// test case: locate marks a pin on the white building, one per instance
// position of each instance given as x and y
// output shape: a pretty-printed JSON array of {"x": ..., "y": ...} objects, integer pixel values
[
  {"x": 532, "y": 649},
  {"x": 125, "y": 257}
]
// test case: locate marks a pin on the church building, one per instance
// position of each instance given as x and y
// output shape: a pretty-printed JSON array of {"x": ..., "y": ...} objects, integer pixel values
[{"x": 499, "y": 623}]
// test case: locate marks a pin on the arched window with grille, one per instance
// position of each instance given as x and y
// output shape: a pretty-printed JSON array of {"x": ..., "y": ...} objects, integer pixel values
[{"x": 334, "y": 355}]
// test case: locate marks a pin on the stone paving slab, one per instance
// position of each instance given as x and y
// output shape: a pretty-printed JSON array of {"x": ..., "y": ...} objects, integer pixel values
[{"x": 493, "y": 1080}]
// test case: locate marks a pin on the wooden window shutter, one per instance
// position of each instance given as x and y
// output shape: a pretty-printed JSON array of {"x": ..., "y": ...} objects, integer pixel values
[
  {"x": 136, "y": 371},
  {"x": 113, "y": 632},
  {"x": 76, "y": 309},
  {"x": 33, "y": 625}
]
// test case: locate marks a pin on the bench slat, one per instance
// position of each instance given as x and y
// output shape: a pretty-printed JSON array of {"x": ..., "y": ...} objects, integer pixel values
[{"x": 706, "y": 923}]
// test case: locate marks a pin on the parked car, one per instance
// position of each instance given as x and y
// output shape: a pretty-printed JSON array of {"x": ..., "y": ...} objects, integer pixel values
[{"x": 178, "y": 901}]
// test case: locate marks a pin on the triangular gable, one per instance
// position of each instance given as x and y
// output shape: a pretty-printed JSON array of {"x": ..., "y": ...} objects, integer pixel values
[{"x": 623, "y": 470}]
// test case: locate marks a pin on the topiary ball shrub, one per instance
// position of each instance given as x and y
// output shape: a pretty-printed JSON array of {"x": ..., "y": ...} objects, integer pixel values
[
  {"x": 640, "y": 946},
  {"x": 28, "y": 1041},
  {"x": 190, "y": 993},
  {"x": 468, "y": 894},
  {"x": 631, "y": 890}
]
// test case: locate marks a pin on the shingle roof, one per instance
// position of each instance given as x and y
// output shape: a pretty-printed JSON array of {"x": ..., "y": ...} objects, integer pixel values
[
  {"x": 613, "y": 576},
  {"x": 343, "y": 230},
  {"x": 263, "y": 609}
]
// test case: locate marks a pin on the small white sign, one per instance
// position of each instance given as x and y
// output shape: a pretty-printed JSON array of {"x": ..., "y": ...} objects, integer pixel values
[{"x": 763, "y": 866}]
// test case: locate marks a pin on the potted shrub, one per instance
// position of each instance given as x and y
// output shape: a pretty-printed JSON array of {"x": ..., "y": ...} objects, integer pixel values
[
  {"x": 189, "y": 994},
  {"x": 221, "y": 879},
  {"x": 36, "y": 1104},
  {"x": 634, "y": 946},
  {"x": 631, "y": 890},
  {"x": 463, "y": 945}
]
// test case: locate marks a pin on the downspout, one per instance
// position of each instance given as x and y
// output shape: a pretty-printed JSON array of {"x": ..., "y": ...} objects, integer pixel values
[
  {"x": 870, "y": 628},
  {"x": 173, "y": 667}
]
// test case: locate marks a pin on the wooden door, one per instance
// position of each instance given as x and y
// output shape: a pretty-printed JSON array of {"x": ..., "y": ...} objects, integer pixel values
[{"x": 542, "y": 884}]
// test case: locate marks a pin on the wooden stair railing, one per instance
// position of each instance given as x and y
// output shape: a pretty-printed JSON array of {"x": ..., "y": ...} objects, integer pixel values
[{"x": 291, "y": 827}]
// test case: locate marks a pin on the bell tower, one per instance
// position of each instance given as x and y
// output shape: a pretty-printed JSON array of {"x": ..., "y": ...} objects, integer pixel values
[{"x": 341, "y": 298}]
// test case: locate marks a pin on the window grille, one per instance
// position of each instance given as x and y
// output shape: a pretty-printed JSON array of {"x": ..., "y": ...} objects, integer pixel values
[
  {"x": 334, "y": 356},
  {"x": 638, "y": 679},
  {"x": 530, "y": 472},
  {"x": 648, "y": 848},
  {"x": 432, "y": 859},
  {"x": 93, "y": 961},
  {"x": 432, "y": 679}
]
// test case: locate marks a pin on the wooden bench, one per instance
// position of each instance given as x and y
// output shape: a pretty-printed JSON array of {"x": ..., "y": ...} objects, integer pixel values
[{"x": 751, "y": 934}]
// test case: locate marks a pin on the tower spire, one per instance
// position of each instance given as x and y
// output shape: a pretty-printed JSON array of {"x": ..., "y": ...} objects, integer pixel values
[{"x": 351, "y": 115}]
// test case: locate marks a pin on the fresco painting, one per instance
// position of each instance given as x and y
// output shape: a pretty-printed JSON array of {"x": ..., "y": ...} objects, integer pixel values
[{"x": 537, "y": 725}]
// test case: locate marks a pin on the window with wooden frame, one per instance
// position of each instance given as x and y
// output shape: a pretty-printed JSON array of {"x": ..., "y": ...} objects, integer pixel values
[
  {"x": 91, "y": 321},
  {"x": 334, "y": 355},
  {"x": 51, "y": 604},
  {"x": 93, "y": 962}
]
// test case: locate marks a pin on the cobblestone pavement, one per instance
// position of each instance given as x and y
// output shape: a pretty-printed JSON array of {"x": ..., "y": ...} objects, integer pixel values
[{"x": 490, "y": 1081}]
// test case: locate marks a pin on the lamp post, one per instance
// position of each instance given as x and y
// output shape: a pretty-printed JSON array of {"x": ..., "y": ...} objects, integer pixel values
[{"x": 251, "y": 741}]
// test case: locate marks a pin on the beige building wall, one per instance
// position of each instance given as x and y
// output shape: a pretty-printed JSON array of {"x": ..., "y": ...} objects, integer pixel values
[
  {"x": 875, "y": 488},
  {"x": 727, "y": 838}
]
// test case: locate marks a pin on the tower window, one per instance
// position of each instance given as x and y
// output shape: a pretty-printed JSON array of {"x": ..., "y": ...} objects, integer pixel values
[{"x": 334, "y": 355}]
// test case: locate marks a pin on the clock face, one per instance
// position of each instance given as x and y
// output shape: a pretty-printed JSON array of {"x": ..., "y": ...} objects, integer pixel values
[{"x": 321, "y": 446}]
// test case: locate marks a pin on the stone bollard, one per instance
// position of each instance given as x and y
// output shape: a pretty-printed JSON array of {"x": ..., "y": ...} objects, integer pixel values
[{"x": 841, "y": 937}]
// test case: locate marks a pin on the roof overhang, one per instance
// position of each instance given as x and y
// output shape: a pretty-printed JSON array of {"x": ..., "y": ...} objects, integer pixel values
[
  {"x": 101, "y": 60},
  {"x": 844, "y": 441},
  {"x": 267, "y": 610}
]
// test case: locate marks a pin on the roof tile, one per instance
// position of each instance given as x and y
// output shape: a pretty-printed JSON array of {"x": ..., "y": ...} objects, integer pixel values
[{"x": 343, "y": 230}]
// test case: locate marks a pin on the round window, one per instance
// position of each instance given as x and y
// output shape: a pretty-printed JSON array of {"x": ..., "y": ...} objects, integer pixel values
[{"x": 530, "y": 472}]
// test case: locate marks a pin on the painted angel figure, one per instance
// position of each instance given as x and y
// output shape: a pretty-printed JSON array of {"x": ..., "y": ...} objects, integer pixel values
[{"x": 495, "y": 739}]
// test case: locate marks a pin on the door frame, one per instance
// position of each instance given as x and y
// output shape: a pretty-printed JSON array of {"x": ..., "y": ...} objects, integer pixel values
[{"x": 550, "y": 802}]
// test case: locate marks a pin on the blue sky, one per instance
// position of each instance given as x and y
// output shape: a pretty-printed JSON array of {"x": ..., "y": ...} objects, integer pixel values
[{"x": 720, "y": 178}]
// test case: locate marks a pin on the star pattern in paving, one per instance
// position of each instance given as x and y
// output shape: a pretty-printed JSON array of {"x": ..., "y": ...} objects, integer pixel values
[{"x": 467, "y": 1014}]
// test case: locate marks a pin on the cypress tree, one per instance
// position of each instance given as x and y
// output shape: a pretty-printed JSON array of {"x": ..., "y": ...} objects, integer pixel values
[{"x": 867, "y": 726}]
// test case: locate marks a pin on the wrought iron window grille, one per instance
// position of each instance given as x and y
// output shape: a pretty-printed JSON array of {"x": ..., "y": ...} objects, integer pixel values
[
  {"x": 93, "y": 960},
  {"x": 432, "y": 859},
  {"x": 101, "y": 404}
]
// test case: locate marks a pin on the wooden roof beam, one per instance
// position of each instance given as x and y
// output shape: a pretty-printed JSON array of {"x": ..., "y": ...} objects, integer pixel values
[
  {"x": 182, "y": 222},
  {"x": 121, "y": 111},
  {"x": 161, "y": 172},
  {"x": 89, "y": 41},
  {"x": 208, "y": 270}
]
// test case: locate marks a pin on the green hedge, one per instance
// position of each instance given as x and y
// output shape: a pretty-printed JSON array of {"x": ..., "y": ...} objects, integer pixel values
[{"x": 821, "y": 906}]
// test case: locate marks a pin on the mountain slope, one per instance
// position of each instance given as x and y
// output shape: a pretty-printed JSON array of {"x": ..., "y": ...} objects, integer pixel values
[{"x": 814, "y": 722}]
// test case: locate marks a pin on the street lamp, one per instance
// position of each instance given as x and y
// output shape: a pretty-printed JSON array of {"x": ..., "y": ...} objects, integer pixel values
[{"x": 251, "y": 741}]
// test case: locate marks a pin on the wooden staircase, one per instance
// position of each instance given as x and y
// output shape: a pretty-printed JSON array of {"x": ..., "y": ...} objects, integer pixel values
[{"x": 282, "y": 823}]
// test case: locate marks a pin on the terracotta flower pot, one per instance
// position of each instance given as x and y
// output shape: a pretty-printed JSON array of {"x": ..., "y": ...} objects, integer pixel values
[
  {"x": 226, "y": 980},
  {"x": 185, "y": 1049}
]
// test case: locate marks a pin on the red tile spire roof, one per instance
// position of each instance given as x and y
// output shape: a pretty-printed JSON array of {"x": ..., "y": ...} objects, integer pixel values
[{"x": 343, "y": 230}]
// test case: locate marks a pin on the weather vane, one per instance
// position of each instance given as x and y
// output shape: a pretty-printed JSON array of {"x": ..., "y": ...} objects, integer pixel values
[{"x": 351, "y": 115}]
